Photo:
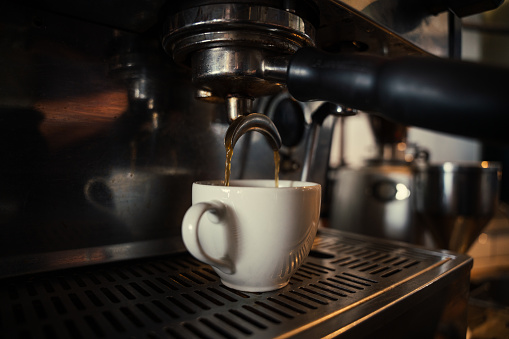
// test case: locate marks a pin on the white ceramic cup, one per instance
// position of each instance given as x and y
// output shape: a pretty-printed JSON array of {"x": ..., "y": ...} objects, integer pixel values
[{"x": 253, "y": 234}]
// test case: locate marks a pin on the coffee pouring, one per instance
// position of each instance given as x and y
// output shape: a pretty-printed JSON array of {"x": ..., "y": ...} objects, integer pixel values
[{"x": 252, "y": 122}]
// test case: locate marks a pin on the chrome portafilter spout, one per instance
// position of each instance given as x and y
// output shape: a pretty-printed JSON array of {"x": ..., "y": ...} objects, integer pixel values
[
  {"x": 253, "y": 122},
  {"x": 242, "y": 121},
  {"x": 237, "y": 106}
]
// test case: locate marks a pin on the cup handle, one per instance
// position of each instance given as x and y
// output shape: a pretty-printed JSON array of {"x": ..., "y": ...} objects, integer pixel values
[{"x": 190, "y": 225}]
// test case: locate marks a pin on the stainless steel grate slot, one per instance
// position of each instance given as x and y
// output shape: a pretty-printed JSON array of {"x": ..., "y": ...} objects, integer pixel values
[
  {"x": 149, "y": 313},
  {"x": 391, "y": 259},
  {"x": 233, "y": 324},
  {"x": 110, "y": 295},
  {"x": 242, "y": 317},
  {"x": 94, "y": 326},
  {"x": 114, "y": 321},
  {"x": 379, "y": 270},
  {"x": 286, "y": 305},
  {"x": 152, "y": 336},
  {"x": 76, "y": 301},
  {"x": 309, "y": 297},
  {"x": 318, "y": 293},
  {"x": 134, "y": 272},
  {"x": 413, "y": 263},
  {"x": 180, "y": 281},
  {"x": 72, "y": 328},
  {"x": 193, "y": 278},
  {"x": 167, "y": 283},
  {"x": 376, "y": 256},
  {"x": 301, "y": 274},
  {"x": 125, "y": 292},
  {"x": 131, "y": 316},
  {"x": 356, "y": 280},
  {"x": 181, "y": 305},
  {"x": 275, "y": 310},
  {"x": 93, "y": 298},
  {"x": 401, "y": 261},
  {"x": 388, "y": 274},
  {"x": 108, "y": 277},
  {"x": 140, "y": 290},
  {"x": 58, "y": 305},
  {"x": 370, "y": 267},
  {"x": 219, "y": 330},
  {"x": 334, "y": 285},
  {"x": 351, "y": 287},
  {"x": 314, "y": 269},
  {"x": 359, "y": 265},
  {"x": 360, "y": 278},
  {"x": 196, "y": 331},
  {"x": 345, "y": 261},
  {"x": 78, "y": 281},
  {"x": 179, "y": 297},
  {"x": 39, "y": 309},
  {"x": 165, "y": 309},
  {"x": 209, "y": 298},
  {"x": 261, "y": 314},
  {"x": 145, "y": 269},
  {"x": 49, "y": 332},
  {"x": 172, "y": 333},
  {"x": 196, "y": 302},
  {"x": 121, "y": 274},
  {"x": 158, "y": 268},
  {"x": 297, "y": 301},
  {"x": 308, "y": 272},
  {"x": 153, "y": 286},
  {"x": 223, "y": 295},
  {"x": 328, "y": 290},
  {"x": 204, "y": 276}
]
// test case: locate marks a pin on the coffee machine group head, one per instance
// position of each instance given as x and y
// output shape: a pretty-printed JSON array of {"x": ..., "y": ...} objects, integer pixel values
[{"x": 226, "y": 45}]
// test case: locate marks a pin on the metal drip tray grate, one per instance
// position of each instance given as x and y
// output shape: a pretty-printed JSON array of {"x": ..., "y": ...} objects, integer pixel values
[{"x": 347, "y": 285}]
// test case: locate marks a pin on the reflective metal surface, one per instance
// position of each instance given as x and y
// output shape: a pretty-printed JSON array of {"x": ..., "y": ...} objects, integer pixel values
[
  {"x": 377, "y": 197},
  {"x": 253, "y": 122},
  {"x": 376, "y": 200},
  {"x": 102, "y": 135},
  {"x": 412, "y": 20},
  {"x": 349, "y": 287},
  {"x": 456, "y": 201},
  {"x": 227, "y": 43},
  {"x": 101, "y": 131}
]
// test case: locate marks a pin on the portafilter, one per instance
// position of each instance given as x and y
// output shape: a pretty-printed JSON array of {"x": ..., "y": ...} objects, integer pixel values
[{"x": 225, "y": 46}]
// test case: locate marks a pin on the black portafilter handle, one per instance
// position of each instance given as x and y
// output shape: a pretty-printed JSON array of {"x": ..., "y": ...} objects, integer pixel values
[{"x": 457, "y": 97}]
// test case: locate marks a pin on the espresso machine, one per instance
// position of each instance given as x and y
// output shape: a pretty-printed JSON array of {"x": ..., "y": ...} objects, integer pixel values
[{"x": 110, "y": 110}]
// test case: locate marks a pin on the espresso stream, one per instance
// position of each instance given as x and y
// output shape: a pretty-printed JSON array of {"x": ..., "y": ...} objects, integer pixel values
[{"x": 228, "y": 165}]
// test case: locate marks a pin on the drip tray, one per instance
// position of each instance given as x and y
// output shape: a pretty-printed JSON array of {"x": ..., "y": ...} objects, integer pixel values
[{"x": 350, "y": 286}]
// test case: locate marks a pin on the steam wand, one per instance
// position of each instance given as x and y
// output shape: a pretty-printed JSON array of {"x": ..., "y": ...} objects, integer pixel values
[{"x": 317, "y": 119}]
